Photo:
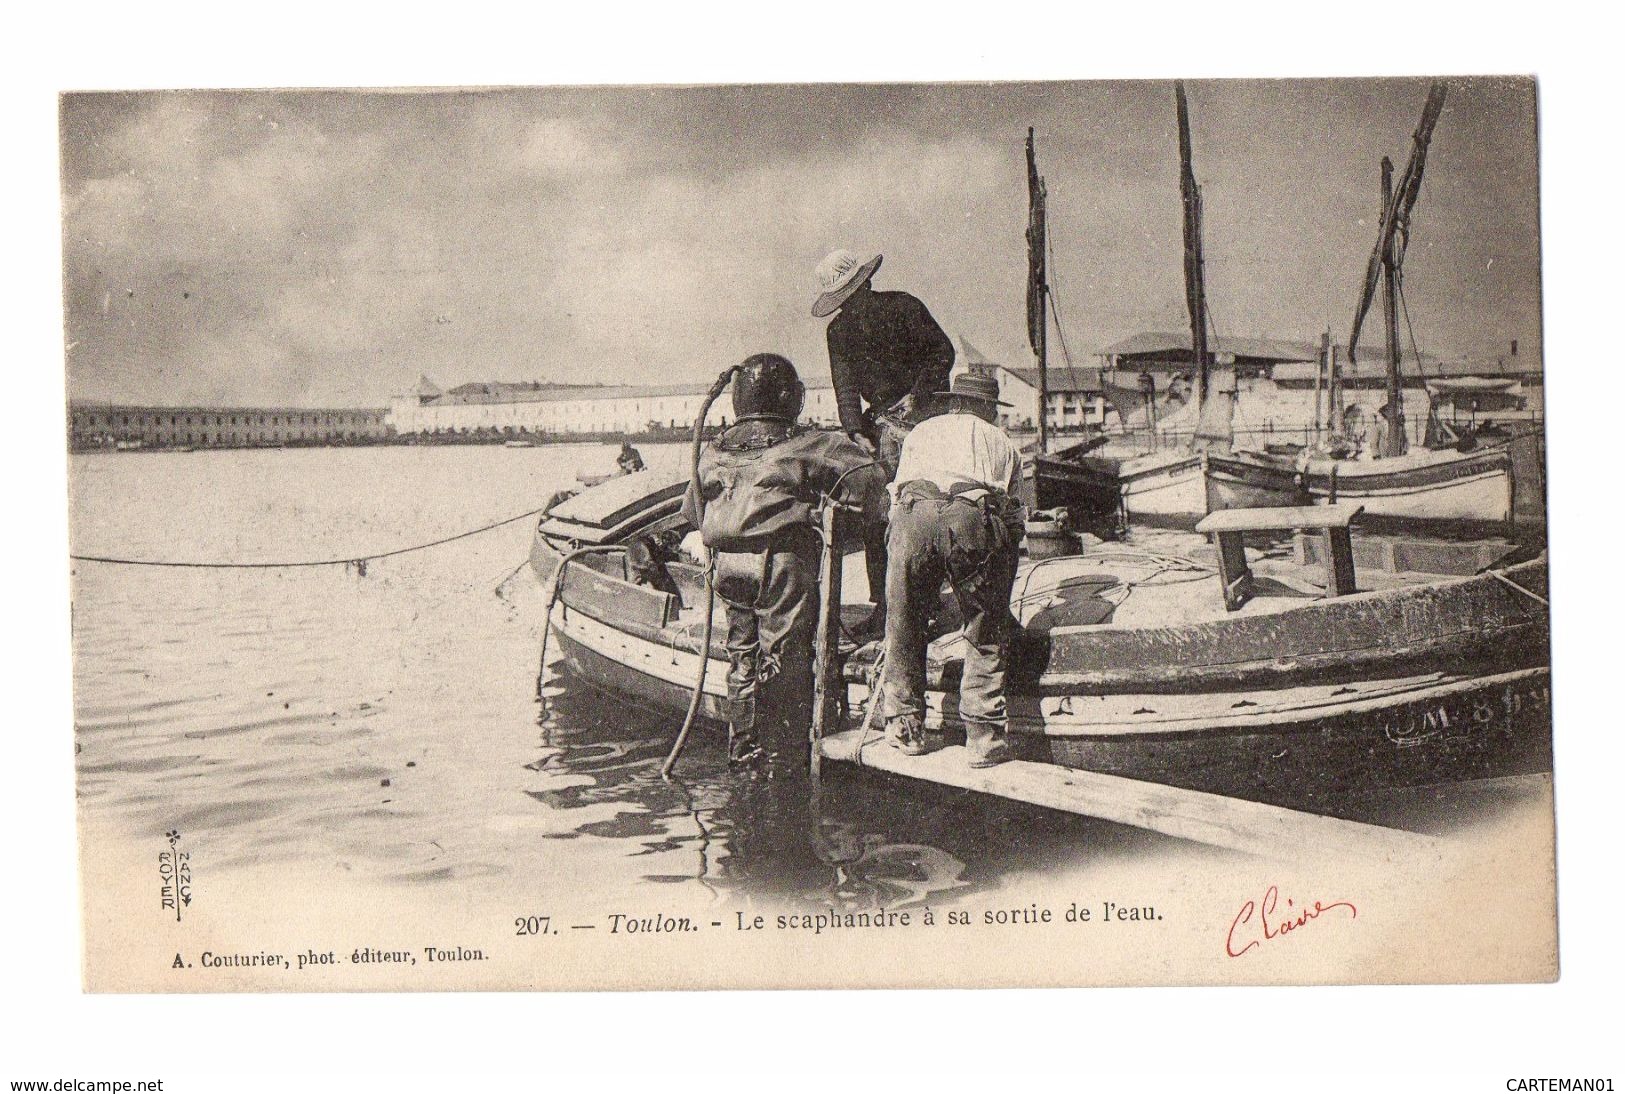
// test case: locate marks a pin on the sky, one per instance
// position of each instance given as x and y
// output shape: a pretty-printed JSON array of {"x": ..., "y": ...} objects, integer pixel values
[{"x": 324, "y": 248}]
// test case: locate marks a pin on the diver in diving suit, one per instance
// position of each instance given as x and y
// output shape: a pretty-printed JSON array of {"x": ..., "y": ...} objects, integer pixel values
[{"x": 760, "y": 488}]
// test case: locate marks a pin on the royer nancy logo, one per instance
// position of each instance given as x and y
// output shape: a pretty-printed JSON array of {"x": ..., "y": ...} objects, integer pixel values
[{"x": 175, "y": 877}]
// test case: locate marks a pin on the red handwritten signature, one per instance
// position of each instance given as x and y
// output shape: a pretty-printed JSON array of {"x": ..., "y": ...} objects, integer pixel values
[{"x": 1269, "y": 921}]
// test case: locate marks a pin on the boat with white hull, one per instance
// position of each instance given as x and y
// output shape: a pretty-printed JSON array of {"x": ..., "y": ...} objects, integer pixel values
[
  {"x": 1180, "y": 488},
  {"x": 1472, "y": 487},
  {"x": 1422, "y": 487}
]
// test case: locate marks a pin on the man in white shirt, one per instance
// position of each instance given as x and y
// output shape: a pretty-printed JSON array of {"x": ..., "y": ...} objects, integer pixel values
[{"x": 954, "y": 517}]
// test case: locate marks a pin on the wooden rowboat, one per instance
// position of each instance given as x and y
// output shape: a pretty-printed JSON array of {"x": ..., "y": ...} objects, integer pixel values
[
  {"x": 1127, "y": 662},
  {"x": 1473, "y": 488}
]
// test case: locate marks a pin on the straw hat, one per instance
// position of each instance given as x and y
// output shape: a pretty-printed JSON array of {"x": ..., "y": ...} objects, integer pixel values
[
  {"x": 839, "y": 276},
  {"x": 968, "y": 385}
]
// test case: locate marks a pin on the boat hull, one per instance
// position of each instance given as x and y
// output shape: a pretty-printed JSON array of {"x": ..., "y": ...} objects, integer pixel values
[
  {"x": 1461, "y": 487},
  {"x": 1414, "y": 683},
  {"x": 1238, "y": 481},
  {"x": 1179, "y": 490},
  {"x": 1480, "y": 728},
  {"x": 1164, "y": 490},
  {"x": 1086, "y": 485},
  {"x": 1259, "y": 744}
]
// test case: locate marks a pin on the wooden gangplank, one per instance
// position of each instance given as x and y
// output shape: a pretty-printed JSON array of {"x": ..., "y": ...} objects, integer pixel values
[{"x": 1214, "y": 819}]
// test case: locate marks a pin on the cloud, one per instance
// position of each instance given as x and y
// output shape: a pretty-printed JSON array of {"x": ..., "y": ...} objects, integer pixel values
[{"x": 329, "y": 246}]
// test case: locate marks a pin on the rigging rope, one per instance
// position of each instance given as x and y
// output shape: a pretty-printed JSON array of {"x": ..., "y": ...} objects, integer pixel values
[
  {"x": 359, "y": 561},
  {"x": 1054, "y": 300},
  {"x": 1399, "y": 286}
]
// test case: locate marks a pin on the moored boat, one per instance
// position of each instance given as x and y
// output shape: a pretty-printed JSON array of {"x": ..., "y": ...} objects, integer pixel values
[
  {"x": 1422, "y": 485},
  {"x": 1250, "y": 480},
  {"x": 1163, "y": 488},
  {"x": 1179, "y": 488},
  {"x": 1084, "y": 483},
  {"x": 1127, "y": 662}
]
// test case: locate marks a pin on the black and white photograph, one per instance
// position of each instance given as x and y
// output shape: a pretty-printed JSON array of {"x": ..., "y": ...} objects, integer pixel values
[{"x": 844, "y": 535}]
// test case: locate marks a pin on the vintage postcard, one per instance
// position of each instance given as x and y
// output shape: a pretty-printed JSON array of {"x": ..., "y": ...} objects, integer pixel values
[{"x": 809, "y": 536}]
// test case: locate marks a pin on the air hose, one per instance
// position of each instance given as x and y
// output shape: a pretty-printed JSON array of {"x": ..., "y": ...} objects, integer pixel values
[{"x": 710, "y": 574}]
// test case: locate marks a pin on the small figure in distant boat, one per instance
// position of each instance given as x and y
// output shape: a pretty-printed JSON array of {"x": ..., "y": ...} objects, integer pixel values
[
  {"x": 887, "y": 359},
  {"x": 630, "y": 460},
  {"x": 1381, "y": 430},
  {"x": 955, "y": 517},
  {"x": 761, "y": 483}
]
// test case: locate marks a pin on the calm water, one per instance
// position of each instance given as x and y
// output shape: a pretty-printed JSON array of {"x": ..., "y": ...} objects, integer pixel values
[{"x": 386, "y": 727}]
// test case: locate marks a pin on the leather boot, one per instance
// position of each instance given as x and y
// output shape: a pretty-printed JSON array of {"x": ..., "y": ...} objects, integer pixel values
[
  {"x": 907, "y": 735},
  {"x": 744, "y": 747},
  {"x": 986, "y": 746}
]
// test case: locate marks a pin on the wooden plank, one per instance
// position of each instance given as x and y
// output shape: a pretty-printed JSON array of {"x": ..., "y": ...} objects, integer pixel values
[
  {"x": 1282, "y": 518},
  {"x": 610, "y": 503},
  {"x": 611, "y": 598},
  {"x": 1339, "y": 562},
  {"x": 1214, "y": 819},
  {"x": 827, "y": 684},
  {"x": 1235, "y": 579}
]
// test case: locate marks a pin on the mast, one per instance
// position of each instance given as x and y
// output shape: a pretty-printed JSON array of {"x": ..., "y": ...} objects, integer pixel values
[
  {"x": 1037, "y": 288},
  {"x": 1387, "y": 259},
  {"x": 1323, "y": 366},
  {"x": 1195, "y": 295},
  {"x": 1334, "y": 393},
  {"x": 1393, "y": 411}
]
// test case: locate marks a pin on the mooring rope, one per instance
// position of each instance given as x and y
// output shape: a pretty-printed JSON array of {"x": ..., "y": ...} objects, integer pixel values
[
  {"x": 1507, "y": 581},
  {"x": 358, "y": 561}
]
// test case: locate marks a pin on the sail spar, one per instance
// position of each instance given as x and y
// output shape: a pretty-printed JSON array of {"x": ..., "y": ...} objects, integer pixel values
[
  {"x": 1037, "y": 287},
  {"x": 1394, "y": 233},
  {"x": 1214, "y": 406},
  {"x": 1036, "y": 270}
]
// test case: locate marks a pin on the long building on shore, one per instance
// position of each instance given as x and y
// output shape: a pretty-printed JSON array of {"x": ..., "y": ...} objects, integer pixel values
[
  {"x": 113, "y": 425},
  {"x": 1274, "y": 382},
  {"x": 538, "y": 410}
]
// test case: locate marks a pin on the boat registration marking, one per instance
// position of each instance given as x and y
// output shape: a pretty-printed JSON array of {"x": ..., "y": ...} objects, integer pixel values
[{"x": 1462, "y": 717}]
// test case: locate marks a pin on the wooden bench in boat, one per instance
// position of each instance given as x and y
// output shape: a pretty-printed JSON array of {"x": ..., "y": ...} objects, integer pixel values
[{"x": 1229, "y": 528}]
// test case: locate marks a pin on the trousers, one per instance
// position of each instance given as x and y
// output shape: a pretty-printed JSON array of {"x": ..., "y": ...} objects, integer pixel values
[
  {"x": 771, "y": 597},
  {"x": 935, "y": 538},
  {"x": 888, "y": 451}
]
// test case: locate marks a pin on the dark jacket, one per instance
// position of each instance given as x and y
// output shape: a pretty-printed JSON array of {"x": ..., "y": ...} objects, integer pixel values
[
  {"x": 884, "y": 349},
  {"x": 761, "y": 478}
]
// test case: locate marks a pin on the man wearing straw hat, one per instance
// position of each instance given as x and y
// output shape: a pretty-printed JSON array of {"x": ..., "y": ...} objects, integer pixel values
[
  {"x": 887, "y": 357},
  {"x": 954, "y": 517}
]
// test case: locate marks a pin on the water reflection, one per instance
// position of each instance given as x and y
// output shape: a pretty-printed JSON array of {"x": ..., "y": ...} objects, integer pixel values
[
  {"x": 387, "y": 728},
  {"x": 857, "y": 842}
]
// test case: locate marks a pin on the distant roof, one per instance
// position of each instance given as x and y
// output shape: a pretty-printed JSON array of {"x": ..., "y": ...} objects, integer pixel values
[
  {"x": 1267, "y": 349},
  {"x": 101, "y": 406},
  {"x": 1431, "y": 368},
  {"x": 508, "y": 387},
  {"x": 426, "y": 388},
  {"x": 1059, "y": 378},
  {"x": 970, "y": 354},
  {"x": 502, "y": 392}
]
